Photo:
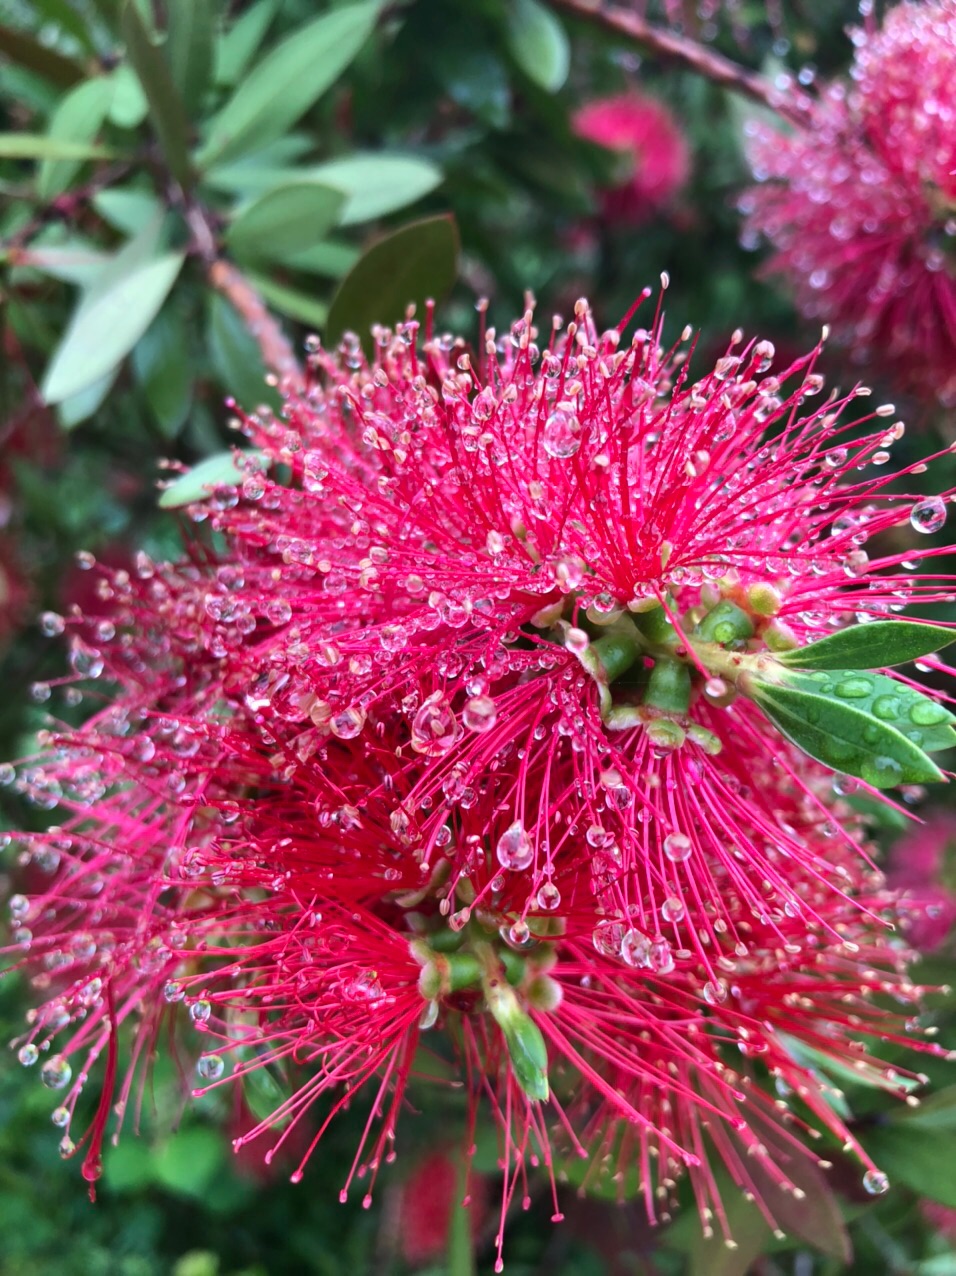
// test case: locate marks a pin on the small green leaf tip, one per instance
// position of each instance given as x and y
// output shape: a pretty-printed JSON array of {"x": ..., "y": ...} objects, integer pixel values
[
  {"x": 529, "y": 1055},
  {"x": 880, "y": 644},
  {"x": 863, "y": 724}
]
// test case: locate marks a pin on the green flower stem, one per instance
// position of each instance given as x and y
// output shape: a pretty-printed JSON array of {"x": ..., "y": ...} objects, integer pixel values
[{"x": 526, "y": 1045}]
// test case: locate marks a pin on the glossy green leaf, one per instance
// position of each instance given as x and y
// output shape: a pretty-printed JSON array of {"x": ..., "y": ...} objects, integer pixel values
[
  {"x": 297, "y": 305},
  {"x": 263, "y": 1094},
  {"x": 107, "y": 324},
  {"x": 923, "y": 1159},
  {"x": 538, "y": 43},
  {"x": 287, "y": 219},
  {"x": 39, "y": 146},
  {"x": 73, "y": 262},
  {"x": 288, "y": 80},
  {"x": 221, "y": 470},
  {"x": 191, "y": 28},
  {"x": 330, "y": 259},
  {"x": 528, "y": 1054},
  {"x": 162, "y": 367},
  {"x": 879, "y": 644},
  {"x": 236, "y": 48},
  {"x": 166, "y": 111},
  {"x": 236, "y": 357},
  {"x": 866, "y": 725},
  {"x": 377, "y": 184},
  {"x": 129, "y": 106},
  {"x": 937, "y": 1112},
  {"x": 80, "y": 407},
  {"x": 77, "y": 119},
  {"x": 414, "y": 264},
  {"x": 127, "y": 210},
  {"x": 188, "y": 1163}
]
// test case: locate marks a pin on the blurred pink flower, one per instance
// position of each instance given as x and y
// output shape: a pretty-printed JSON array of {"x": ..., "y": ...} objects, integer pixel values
[
  {"x": 923, "y": 864},
  {"x": 860, "y": 208},
  {"x": 645, "y": 132}
]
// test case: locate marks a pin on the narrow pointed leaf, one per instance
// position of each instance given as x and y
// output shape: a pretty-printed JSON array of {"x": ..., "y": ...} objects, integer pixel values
[
  {"x": 236, "y": 48},
  {"x": 847, "y": 734},
  {"x": 529, "y": 1056},
  {"x": 377, "y": 184},
  {"x": 414, "y": 264},
  {"x": 288, "y": 219},
  {"x": 221, "y": 470},
  {"x": 190, "y": 48},
  {"x": 22, "y": 48},
  {"x": 162, "y": 367},
  {"x": 166, "y": 111},
  {"x": 77, "y": 119},
  {"x": 288, "y": 80},
  {"x": 877, "y": 645},
  {"x": 107, "y": 325},
  {"x": 301, "y": 306},
  {"x": 38, "y": 146},
  {"x": 236, "y": 357}
]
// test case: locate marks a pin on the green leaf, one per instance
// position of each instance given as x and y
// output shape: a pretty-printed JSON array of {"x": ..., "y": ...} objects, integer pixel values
[
  {"x": 80, "y": 407},
  {"x": 238, "y": 46},
  {"x": 922, "y": 1159},
  {"x": 77, "y": 119},
  {"x": 21, "y": 47},
  {"x": 528, "y": 1054},
  {"x": 39, "y": 146},
  {"x": 879, "y": 644},
  {"x": 192, "y": 25},
  {"x": 538, "y": 43},
  {"x": 162, "y": 367},
  {"x": 236, "y": 358},
  {"x": 215, "y": 471},
  {"x": 413, "y": 264},
  {"x": 330, "y": 259},
  {"x": 107, "y": 324},
  {"x": 377, "y": 184},
  {"x": 937, "y": 1112},
  {"x": 127, "y": 210},
  {"x": 866, "y": 725},
  {"x": 129, "y": 106},
  {"x": 72, "y": 262},
  {"x": 290, "y": 301},
  {"x": 167, "y": 113},
  {"x": 263, "y": 1094},
  {"x": 288, "y": 219},
  {"x": 189, "y": 1162},
  {"x": 288, "y": 80}
]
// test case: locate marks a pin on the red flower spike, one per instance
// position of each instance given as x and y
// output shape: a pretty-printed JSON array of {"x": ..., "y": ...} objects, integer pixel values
[
  {"x": 432, "y": 757},
  {"x": 860, "y": 208}
]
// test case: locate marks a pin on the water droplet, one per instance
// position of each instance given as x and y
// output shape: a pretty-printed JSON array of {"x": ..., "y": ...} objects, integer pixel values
[
  {"x": 60, "y": 1117},
  {"x": 67, "y": 1147},
  {"x": 514, "y": 849},
  {"x": 635, "y": 948},
  {"x": 661, "y": 956},
  {"x": 561, "y": 436},
  {"x": 881, "y": 771},
  {"x": 678, "y": 847},
  {"x": 480, "y": 714},
  {"x": 347, "y": 723},
  {"x": 929, "y": 515},
  {"x": 672, "y": 910},
  {"x": 875, "y": 1182},
  {"x": 549, "y": 897},
  {"x": 927, "y": 713},
  {"x": 200, "y": 1011},
  {"x": 435, "y": 729},
  {"x": 51, "y": 624},
  {"x": 7, "y": 773},
  {"x": 607, "y": 938},
  {"x": 887, "y": 707},
  {"x": 173, "y": 991},
  {"x": 56, "y": 1073},
  {"x": 854, "y": 688},
  {"x": 28, "y": 1055},
  {"x": 211, "y": 1067}
]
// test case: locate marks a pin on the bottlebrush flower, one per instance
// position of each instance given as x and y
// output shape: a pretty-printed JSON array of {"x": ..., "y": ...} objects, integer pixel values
[
  {"x": 921, "y": 864},
  {"x": 445, "y": 749},
  {"x": 646, "y": 134},
  {"x": 860, "y": 207}
]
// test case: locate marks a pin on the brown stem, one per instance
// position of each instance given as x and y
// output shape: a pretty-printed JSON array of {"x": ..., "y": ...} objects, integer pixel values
[
  {"x": 274, "y": 346},
  {"x": 790, "y": 103}
]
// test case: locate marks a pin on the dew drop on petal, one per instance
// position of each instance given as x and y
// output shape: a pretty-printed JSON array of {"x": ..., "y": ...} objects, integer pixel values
[
  {"x": 28, "y": 1055},
  {"x": 56, "y": 1073},
  {"x": 480, "y": 714},
  {"x": 211, "y": 1067},
  {"x": 561, "y": 436}
]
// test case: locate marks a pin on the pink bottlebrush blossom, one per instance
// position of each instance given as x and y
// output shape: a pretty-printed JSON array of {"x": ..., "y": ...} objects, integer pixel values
[
  {"x": 362, "y": 793},
  {"x": 646, "y": 134},
  {"x": 922, "y": 864},
  {"x": 860, "y": 208}
]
